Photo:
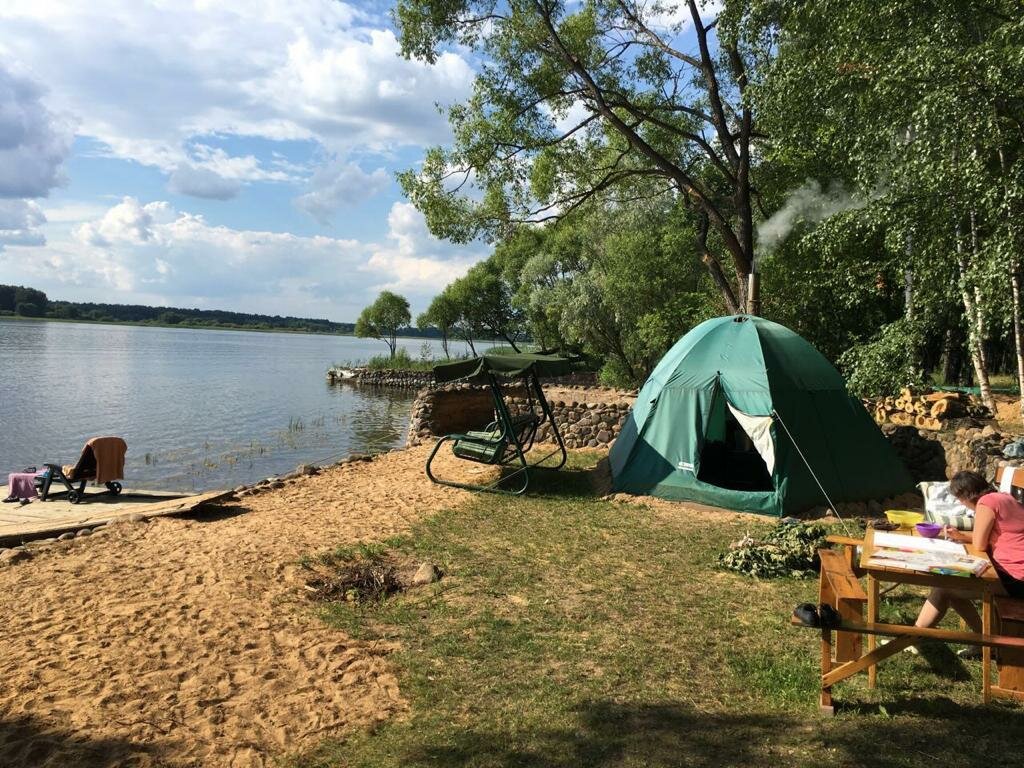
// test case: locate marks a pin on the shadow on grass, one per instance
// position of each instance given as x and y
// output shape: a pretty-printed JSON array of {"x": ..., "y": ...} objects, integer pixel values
[
  {"x": 611, "y": 734},
  {"x": 25, "y": 743}
]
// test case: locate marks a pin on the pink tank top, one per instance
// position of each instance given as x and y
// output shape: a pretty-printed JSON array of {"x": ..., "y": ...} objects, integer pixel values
[{"x": 1006, "y": 543}]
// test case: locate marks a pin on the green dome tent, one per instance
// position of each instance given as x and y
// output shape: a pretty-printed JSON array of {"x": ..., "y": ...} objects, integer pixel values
[{"x": 723, "y": 419}]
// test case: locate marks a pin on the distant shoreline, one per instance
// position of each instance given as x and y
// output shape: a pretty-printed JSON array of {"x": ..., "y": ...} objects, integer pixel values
[{"x": 198, "y": 327}]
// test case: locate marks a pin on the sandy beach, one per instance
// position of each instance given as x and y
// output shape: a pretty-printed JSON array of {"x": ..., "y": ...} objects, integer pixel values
[{"x": 187, "y": 641}]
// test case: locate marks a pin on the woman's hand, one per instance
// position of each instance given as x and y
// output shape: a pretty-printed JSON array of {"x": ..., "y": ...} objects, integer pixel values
[{"x": 953, "y": 534}]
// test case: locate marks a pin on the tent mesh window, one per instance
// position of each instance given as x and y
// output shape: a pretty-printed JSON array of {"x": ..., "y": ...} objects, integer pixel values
[{"x": 729, "y": 459}]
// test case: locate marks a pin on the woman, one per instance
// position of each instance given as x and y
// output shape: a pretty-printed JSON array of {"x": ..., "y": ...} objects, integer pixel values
[{"x": 998, "y": 530}]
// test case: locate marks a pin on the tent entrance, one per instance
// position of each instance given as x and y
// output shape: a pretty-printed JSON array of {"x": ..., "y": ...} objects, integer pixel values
[{"x": 736, "y": 447}]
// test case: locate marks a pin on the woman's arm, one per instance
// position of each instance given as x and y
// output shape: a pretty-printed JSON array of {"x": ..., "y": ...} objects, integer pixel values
[{"x": 984, "y": 520}]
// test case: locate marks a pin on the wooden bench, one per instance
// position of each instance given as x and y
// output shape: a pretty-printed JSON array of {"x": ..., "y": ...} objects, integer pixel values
[
  {"x": 838, "y": 586},
  {"x": 842, "y": 655},
  {"x": 1010, "y": 663}
]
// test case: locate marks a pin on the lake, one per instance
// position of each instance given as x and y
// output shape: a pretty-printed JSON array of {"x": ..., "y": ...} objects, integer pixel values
[{"x": 199, "y": 409}]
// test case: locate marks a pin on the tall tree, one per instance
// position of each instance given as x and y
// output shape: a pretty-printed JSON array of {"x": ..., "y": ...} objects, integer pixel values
[
  {"x": 384, "y": 319},
  {"x": 634, "y": 99},
  {"x": 483, "y": 299},
  {"x": 442, "y": 314}
]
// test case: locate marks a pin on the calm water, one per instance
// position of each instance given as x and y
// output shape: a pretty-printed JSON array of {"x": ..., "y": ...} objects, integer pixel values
[{"x": 199, "y": 409}]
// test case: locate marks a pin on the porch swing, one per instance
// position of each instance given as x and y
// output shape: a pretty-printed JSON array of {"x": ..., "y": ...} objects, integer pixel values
[{"x": 506, "y": 440}]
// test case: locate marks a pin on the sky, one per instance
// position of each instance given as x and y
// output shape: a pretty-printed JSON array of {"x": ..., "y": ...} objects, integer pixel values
[{"x": 221, "y": 155}]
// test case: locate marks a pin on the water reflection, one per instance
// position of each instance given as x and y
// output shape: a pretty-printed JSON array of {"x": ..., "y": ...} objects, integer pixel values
[{"x": 199, "y": 409}]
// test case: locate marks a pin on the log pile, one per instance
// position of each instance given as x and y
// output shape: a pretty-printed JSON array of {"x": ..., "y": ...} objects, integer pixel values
[{"x": 925, "y": 410}]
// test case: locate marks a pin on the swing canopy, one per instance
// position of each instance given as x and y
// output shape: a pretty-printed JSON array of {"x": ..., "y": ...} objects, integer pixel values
[
  {"x": 743, "y": 413},
  {"x": 508, "y": 365}
]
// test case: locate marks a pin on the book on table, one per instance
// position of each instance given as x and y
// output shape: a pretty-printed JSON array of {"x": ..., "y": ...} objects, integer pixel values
[{"x": 915, "y": 553}]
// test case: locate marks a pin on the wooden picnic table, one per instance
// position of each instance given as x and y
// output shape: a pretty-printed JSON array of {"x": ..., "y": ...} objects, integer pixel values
[
  {"x": 981, "y": 587},
  {"x": 840, "y": 587}
]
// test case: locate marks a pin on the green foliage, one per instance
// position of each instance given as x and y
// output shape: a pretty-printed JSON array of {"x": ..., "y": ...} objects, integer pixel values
[
  {"x": 916, "y": 109},
  {"x": 887, "y": 363},
  {"x": 484, "y": 299},
  {"x": 583, "y": 100},
  {"x": 384, "y": 319},
  {"x": 442, "y": 314},
  {"x": 788, "y": 549},
  {"x": 400, "y": 361},
  {"x": 27, "y": 302},
  {"x": 618, "y": 285}
]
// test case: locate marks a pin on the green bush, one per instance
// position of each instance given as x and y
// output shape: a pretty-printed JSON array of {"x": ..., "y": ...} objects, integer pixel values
[
  {"x": 402, "y": 361},
  {"x": 887, "y": 363},
  {"x": 28, "y": 309}
]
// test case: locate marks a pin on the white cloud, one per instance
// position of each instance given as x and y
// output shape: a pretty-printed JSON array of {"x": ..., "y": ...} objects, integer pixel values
[
  {"x": 129, "y": 222},
  {"x": 151, "y": 253},
  {"x": 415, "y": 259},
  {"x": 33, "y": 141},
  {"x": 187, "y": 179},
  {"x": 339, "y": 184},
  {"x": 147, "y": 79},
  {"x": 19, "y": 223}
]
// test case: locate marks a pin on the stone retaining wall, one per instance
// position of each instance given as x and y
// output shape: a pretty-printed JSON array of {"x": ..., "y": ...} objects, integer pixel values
[
  {"x": 592, "y": 421},
  {"x": 933, "y": 455},
  {"x": 397, "y": 379},
  {"x": 403, "y": 379}
]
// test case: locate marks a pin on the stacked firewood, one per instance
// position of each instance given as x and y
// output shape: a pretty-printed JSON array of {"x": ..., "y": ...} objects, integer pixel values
[{"x": 925, "y": 410}]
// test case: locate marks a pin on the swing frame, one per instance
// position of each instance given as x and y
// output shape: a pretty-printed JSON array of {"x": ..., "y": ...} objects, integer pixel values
[{"x": 506, "y": 440}]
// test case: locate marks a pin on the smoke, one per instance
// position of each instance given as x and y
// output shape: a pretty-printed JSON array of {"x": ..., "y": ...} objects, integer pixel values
[{"x": 808, "y": 204}]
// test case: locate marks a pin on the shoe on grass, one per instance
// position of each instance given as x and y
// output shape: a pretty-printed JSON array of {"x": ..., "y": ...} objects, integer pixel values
[{"x": 970, "y": 653}]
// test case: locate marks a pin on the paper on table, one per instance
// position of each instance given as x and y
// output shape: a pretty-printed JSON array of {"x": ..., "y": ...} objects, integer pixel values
[{"x": 904, "y": 542}]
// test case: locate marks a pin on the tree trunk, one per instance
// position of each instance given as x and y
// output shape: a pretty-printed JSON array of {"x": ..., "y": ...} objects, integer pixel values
[
  {"x": 975, "y": 324},
  {"x": 952, "y": 357},
  {"x": 1018, "y": 335},
  {"x": 444, "y": 343}
]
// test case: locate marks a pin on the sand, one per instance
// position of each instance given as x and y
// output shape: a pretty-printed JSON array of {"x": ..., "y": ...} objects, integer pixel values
[{"x": 188, "y": 641}]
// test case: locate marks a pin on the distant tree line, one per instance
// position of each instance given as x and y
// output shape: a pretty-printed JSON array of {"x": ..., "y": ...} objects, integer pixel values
[{"x": 20, "y": 301}]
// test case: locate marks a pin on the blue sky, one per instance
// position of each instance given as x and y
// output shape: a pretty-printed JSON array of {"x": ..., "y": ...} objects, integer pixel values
[{"x": 230, "y": 155}]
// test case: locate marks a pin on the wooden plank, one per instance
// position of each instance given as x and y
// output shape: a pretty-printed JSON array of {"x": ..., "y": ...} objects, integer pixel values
[
  {"x": 986, "y": 651},
  {"x": 867, "y": 661},
  {"x": 1011, "y": 661},
  {"x": 1018, "y": 476},
  {"x": 85, "y": 515},
  {"x": 872, "y": 618},
  {"x": 840, "y": 575},
  {"x": 999, "y": 692},
  {"x": 929, "y": 633}
]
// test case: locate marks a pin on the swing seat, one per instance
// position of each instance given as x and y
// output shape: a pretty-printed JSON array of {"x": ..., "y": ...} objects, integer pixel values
[{"x": 482, "y": 447}]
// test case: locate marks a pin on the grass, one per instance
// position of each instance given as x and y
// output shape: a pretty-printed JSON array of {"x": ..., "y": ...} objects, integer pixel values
[{"x": 575, "y": 631}]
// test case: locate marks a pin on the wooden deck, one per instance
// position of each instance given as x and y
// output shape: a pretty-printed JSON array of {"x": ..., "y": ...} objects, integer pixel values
[{"x": 40, "y": 519}]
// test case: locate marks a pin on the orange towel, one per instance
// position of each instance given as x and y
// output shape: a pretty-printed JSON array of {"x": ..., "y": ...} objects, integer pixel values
[{"x": 109, "y": 453}]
